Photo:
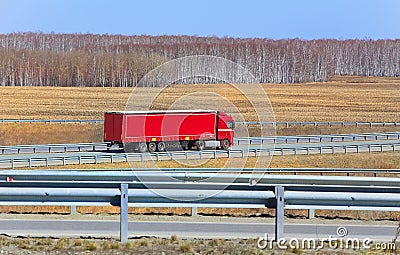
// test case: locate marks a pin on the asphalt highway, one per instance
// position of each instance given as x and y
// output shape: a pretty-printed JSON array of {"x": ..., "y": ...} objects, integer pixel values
[
  {"x": 106, "y": 228},
  {"x": 287, "y": 146},
  {"x": 41, "y": 159}
]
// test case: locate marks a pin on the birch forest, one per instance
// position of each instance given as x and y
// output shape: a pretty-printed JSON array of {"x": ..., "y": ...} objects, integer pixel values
[{"x": 39, "y": 59}]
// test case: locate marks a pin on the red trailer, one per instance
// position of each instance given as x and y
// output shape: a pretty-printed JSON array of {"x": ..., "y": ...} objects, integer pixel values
[{"x": 160, "y": 130}]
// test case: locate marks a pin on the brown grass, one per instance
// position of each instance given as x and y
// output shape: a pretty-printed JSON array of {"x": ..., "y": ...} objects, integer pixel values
[
  {"x": 337, "y": 101},
  {"x": 235, "y": 212},
  {"x": 341, "y": 99},
  {"x": 60, "y": 102},
  {"x": 26, "y": 133},
  {"x": 352, "y": 129},
  {"x": 152, "y": 245}
]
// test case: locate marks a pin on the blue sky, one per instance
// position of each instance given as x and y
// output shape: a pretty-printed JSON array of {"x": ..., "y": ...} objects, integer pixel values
[{"x": 306, "y": 19}]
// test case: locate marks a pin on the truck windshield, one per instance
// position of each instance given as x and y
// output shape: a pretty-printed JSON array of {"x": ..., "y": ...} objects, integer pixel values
[{"x": 231, "y": 124}]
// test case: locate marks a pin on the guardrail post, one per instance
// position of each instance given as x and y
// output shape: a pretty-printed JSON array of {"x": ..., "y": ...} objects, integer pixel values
[
  {"x": 279, "y": 212},
  {"x": 72, "y": 209},
  {"x": 194, "y": 211},
  {"x": 311, "y": 213},
  {"x": 123, "y": 224}
]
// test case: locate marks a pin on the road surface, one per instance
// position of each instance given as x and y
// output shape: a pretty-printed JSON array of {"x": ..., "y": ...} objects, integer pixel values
[{"x": 201, "y": 229}]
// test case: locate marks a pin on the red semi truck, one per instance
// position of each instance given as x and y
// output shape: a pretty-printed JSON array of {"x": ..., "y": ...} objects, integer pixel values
[{"x": 174, "y": 129}]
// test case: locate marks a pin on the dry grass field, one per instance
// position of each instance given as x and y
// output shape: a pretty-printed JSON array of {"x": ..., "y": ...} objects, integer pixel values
[
  {"x": 25, "y": 133},
  {"x": 60, "y": 102},
  {"x": 341, "y": 99}
]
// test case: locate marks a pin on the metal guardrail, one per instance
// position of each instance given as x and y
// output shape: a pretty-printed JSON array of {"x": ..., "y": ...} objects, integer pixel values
[
  {"x": 318, "y": 138},
  {"x": 174, "y": 189},
  {"x": 326, "y": 123},
  {"x": 119, "y": 174},
  {"x": 35, "y": 148},
  {"x": 287, "y": 124},
  {"x": 34, "y": 121},
  {"x": 35, "y": 161}
]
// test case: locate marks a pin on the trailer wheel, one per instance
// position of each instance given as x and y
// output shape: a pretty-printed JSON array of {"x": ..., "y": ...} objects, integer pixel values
[
  {"x": 200, "y": 145},
  {"x": 225, "y": 144},
  {"x": 142, "y": 147},
  {"x": 152, "y": 147},
  {"x": 161, "y": 146},
  {"x": 184, "y": 145}
]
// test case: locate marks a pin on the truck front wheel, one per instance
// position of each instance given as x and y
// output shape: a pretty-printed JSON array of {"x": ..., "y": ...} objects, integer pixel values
[
  {"x": 201, "y": 145},
  {"x": 225, "y": 144}
]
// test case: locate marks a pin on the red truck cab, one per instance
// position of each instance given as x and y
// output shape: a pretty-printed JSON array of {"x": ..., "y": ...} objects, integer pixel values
[
  {"x": 225, "y": 128},
  {"x": 160, "y": 130}
]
